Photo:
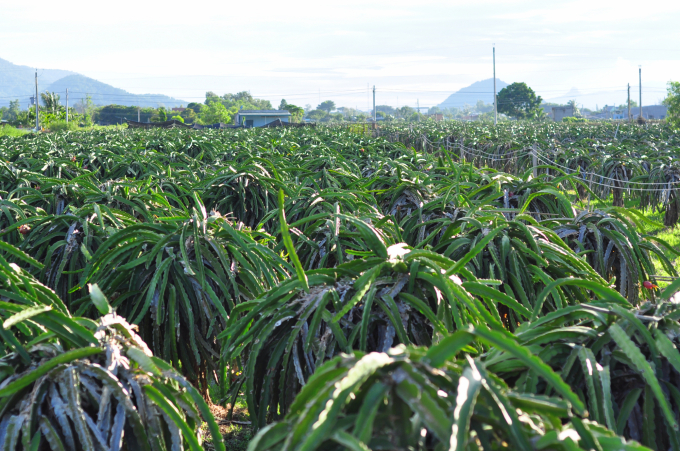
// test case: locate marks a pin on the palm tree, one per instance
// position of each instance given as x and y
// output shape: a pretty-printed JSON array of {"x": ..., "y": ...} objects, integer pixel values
[
  {"x": 51, "y": 101},
  {"x": 572, "y": 103}
]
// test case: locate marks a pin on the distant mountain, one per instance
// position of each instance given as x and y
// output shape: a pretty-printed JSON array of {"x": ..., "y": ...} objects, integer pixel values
[
  {"x": 572, "y": 94},
  {"x": 479, "y": 90},
  {"x": 79, "y": 86},
  {"x": 18, "y": 82},
  {"x": 598, "y": 99}
]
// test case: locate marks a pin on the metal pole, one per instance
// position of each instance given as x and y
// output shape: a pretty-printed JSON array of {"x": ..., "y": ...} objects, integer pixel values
[
  {"x": 67, "y": 105},
  {"x": 374, "y": 112},
  {"x": 640, "y": 90},
  {"x": 628, "y": 102},
  {"x": 495, "y": 106},
  {"x": 37, "y": 123},
  {"x": 139, "y": 114},
  {"x": 534, "y": 160}
]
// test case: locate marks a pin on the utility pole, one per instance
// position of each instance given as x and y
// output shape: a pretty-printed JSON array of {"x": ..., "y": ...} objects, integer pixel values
[
  {"x": 640, "y": 90},
  {"x": 37, "y": 123},
  {"x": 139, "y": 114},
  {"x": 418, "y": 106},
  {"x": 374, "y": 112},
  {"x": 495, "y": 107},
  {"x": 628, "y": 102},
  {"x": 66, "y": 105}
]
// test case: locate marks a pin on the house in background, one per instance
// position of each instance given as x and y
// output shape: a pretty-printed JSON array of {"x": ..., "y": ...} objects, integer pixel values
[
  {"x": 260, "y": 118},
  {"x": 560, "y": 112},
  {"x": 650, "y": 112}
]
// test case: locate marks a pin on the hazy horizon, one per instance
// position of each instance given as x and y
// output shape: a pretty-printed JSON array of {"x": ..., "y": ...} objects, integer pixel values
[{"x": 306, "y": 52}]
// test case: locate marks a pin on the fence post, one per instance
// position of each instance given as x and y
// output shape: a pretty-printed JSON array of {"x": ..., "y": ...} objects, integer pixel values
[
  {"x": 534, "y": 158},
  {"x": 462, "y": 152}
]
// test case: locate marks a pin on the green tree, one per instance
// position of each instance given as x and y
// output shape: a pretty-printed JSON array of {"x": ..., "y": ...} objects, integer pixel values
[
  {"x": 177, "y": 118},
  {"x": 189, "y": 116},
  {"x": 295, "y": 111},
  {"x": 387, "y": 109},
  {"x": 282, "y": 105},
  {"x": 317, "y": 115},
  {"x": 214, "y": 113},
  {"x": 211, "y": 97},
  {"x": 162, "y": 114},
  {"x": 672, "y": 101},
  {"x": 327, "y": 106},
  {"x": 246, "y": 100},
  {"x": 572, "y": 103},
  {"x": 405, "y": 112},
  {"x": 51, "y": 101},
  {"x": 518, "y": 100},
  {"x": 11, "y": 114}
]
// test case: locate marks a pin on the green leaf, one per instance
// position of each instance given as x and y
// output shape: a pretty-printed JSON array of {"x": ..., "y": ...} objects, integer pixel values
[
  {"x": 475, "y": 250},
  {"x": 46, "y": 367},
  {"x": 290, "y": 247},
  {"x": 20, "y": 255},
  {"x": 348, "y": 441},
  {"x": 641, "y": 364},
  {"x": 370, "y": 234},
  {"x": 626, "y": 408},
  {"x": 500, "y": 341},
  {"x": 469, "y": 385},
  {"x": 98, "y": 299},
  {"x": 144, "y": 361},
  {"x": 361, "y": 285},
  {"x": 671, "y": 289},
  {"x": 25, "y": 314},
  {"x": 171, "y": 411}
]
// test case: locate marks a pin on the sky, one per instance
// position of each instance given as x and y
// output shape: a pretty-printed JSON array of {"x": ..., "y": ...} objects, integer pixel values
[{"x": 307, "y": 52}]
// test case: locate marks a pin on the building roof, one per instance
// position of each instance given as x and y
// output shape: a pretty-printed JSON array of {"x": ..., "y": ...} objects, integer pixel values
[{"x": 264, "y": 112}]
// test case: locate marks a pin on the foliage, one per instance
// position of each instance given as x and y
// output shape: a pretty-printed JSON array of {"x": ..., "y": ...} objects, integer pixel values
[
  {"x": 672, "y": 101},
  {"x": 62, "y": 125},
  {"x": 50, "y": 101},
  {"x": 11, "y": 114},
  {"x": 189, "y": 116},
  {"x": 73, "y": 383},
  {"x": 317, "y": 115},
  {"x": 574, "y": 120},
  {"x": 8, "y": 130},
  {"x": 273, "y": 260},
  {"x": 326, "y": 105},
  {"x": 295, "y": 111},
  {"x": 162, "y": 114},
  {"x": 114, "y": 114},
  {"x": 411, "y": 398},
  {"x": 214, "y": 113},
  {"x": 518, "y": 100}
]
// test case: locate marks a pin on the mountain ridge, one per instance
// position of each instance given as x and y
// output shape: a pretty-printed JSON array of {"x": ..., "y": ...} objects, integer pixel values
[
  {"x": 470, "y": 95},
  {"x": 17, "y": 82}
]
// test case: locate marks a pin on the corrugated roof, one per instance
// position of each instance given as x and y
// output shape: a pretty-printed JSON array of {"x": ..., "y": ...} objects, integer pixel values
[{"x": 264, "y": 112}]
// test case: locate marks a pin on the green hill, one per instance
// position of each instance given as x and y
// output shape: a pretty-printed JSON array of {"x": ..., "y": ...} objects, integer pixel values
[
  {"x": 80, "y": 86},
  {"x": 18, "y": 82}
]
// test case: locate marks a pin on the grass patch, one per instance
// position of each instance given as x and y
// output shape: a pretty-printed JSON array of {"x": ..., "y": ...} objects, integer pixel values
[
  {"x": 235, "y": 431},
  {"x": 7, "y": 130},
  {"x": 670, "y": 235}
]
